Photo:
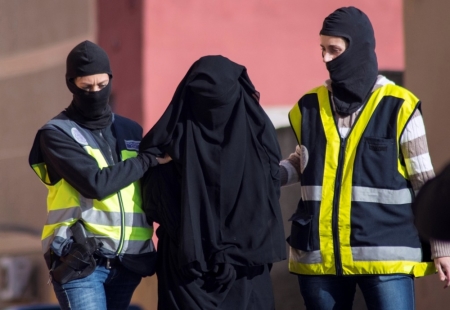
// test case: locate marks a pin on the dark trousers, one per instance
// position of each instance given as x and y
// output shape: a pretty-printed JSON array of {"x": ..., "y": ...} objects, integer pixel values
[{"x": 381, "y": 292}]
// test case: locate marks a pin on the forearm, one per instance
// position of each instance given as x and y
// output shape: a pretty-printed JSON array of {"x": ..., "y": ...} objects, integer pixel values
[
  {"x": 68, "y": 160},
  {"x": 439, "y": 248},
  {"x": 288, "y": 173},
  {"x": 290, "y": 168},
  {"x": 109, "y": 180}
]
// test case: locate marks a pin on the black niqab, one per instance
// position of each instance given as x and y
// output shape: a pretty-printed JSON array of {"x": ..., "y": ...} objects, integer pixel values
[
  {"x": 228, "y": 157},
  {"x": 354, "y": 72},
  {"x": 89, "y": 109}
]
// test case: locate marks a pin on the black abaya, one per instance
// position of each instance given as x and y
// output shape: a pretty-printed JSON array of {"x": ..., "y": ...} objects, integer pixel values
[{"x": 219, "y": 203}]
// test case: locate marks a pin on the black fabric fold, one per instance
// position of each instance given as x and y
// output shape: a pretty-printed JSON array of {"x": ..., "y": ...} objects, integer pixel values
[
  {"x": 431, "y": 207},
  {"x": 354, "y": 72},
  {"x": 227, "y": 154}
]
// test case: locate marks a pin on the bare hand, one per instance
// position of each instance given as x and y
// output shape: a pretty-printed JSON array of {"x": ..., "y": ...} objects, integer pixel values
[
  {"x": 164, "y": 160},
  {"x": 443, "y": 267}
]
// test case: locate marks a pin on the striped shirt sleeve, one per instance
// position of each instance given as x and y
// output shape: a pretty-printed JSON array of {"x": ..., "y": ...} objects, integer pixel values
[
  {"x": 439, "y": 248},
  {"x": 414, "y": 147}
]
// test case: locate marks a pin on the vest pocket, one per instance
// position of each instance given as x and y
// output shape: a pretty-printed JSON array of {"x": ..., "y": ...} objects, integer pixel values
[
  {"x": 301, "y": 229},
  {"x": 375, "y": 163}
]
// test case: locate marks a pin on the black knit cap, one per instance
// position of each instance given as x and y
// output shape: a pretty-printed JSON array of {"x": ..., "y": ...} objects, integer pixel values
[
  {"x": 87, "y": 58},
  {"x": 351, "y": 24}
]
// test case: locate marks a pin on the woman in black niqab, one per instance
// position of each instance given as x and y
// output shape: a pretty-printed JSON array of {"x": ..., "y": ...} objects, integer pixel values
[{"x": 225, "y": 204}]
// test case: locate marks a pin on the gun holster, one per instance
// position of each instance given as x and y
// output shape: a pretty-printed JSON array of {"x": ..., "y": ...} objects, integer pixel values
[{"x": 77, "y": 264}]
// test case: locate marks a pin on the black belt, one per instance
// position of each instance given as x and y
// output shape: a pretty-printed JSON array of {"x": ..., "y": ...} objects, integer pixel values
[{"x": 108, "y": 263}]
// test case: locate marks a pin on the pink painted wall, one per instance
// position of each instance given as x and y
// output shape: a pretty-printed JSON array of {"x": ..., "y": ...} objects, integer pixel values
[
  {"x": 276, "y": 40},
  {"x": 120, "y": 33}
]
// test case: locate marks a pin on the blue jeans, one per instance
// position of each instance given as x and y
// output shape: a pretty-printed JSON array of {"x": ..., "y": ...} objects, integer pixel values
[
  {"x": 104, "y": 289},
  {"x": 387, "y": 292}
]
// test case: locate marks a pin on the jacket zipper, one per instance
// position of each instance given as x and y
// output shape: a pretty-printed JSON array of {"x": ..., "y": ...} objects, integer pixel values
[
  {"x": 337, "y": 188},
  {"x": 335, "y": 216},
  {"x": 119, "y": 196},
  {"x": 122, "y": 224}
]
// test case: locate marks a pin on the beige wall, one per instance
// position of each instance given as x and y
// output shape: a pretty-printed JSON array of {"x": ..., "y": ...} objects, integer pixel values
[
  {"x": 427, "y": 69},
  {"x": 35, "y": 37},
  {"x": 427, "y": 75}
]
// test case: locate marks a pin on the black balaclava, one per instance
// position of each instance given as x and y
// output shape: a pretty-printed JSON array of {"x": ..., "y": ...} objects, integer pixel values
[
  {"x": 89, "y": 109},
  {"x": 354, "y": 72}
]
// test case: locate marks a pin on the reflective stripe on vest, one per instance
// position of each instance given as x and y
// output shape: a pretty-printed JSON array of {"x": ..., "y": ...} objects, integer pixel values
[
  {"x": 334, "y": 199},
  {"x": 117, "y": 221},
  {"x": 364, "y": 194}
]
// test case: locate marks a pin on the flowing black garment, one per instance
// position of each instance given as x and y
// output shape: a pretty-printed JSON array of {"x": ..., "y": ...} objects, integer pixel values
[
  {"x": 225, "y": 208},
  {"x": 250, "y": 288}
]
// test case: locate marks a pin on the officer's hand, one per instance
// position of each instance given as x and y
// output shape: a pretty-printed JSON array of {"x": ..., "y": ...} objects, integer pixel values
[
  {"x": 443, "y": 267},
  {"x": 164, "y": 160}
]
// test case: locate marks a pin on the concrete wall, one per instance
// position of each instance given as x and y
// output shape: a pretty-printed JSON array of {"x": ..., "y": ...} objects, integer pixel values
[
  {"x": 427, "y": 69},
  {"x": 426, "y": 74},
  {"x": 120, "y": 33},
  {"x": 35, "y": 37}
]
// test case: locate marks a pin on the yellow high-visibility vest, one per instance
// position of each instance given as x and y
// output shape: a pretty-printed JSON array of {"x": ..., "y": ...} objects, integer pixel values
[
  {"x": 354, "y": 216},
  {"x": 117, "y": 222}
]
